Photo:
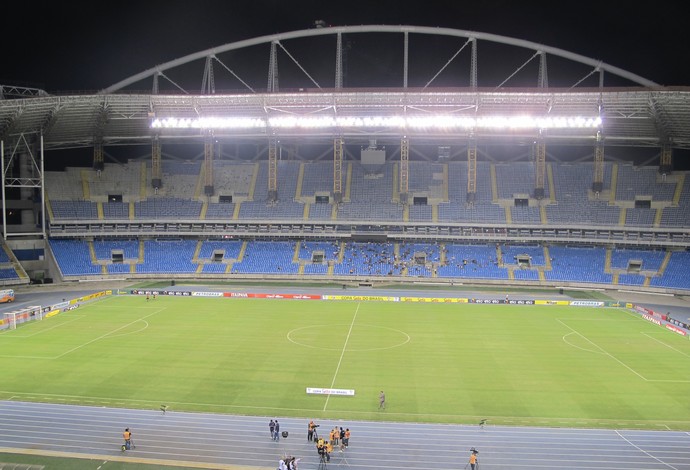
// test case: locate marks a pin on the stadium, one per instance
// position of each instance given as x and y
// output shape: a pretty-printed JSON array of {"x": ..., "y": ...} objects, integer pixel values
[{"x": 559, "y": 185}]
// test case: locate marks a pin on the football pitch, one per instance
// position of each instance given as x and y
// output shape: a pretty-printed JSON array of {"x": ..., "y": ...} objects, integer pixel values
[{"x": 459, "y": 363}]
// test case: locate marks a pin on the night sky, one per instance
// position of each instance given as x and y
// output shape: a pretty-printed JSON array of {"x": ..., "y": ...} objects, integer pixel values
[{"x": 65, "y": 46}]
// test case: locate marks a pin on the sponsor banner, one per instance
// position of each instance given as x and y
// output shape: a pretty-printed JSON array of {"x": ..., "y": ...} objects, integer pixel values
[
  {"x": 551, "y": 302},
  {"x": 246, "y": 295},
  {"x": 586, "y": 303},
  {"x": 651, "y": 319},
  {"x": 521, "y": 302},
  {"x": 96, "y": 295},
  {"x": 487, "y": 301},
  {"x": 52, "y": 313},
  {"x": 641, "y": 309},
  {"x": 676, "y": 330},
  {"x": 451, "y": 300},
  {"x": 361, "y": 297},
  {"x": 673, "y": 321},
  {"x": 330, "y": 391},
  {"x": 207, "y": 294}
]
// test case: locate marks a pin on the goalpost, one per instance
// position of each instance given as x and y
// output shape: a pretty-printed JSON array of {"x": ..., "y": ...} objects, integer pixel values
[{"x": 23, "y": 315}]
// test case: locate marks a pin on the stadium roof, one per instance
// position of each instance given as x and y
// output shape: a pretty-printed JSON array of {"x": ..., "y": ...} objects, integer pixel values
[{"x": 634, "y": 111}]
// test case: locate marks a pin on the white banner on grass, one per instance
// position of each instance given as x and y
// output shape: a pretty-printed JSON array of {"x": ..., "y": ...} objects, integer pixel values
[{"x": 330, "y": 391}]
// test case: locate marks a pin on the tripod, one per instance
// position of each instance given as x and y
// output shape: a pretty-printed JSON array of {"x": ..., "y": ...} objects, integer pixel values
[{"x": 322, "y": 462}]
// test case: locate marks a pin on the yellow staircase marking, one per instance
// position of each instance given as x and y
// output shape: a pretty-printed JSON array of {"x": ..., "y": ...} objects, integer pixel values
[
  {"x": 197, "y": 250},
  {"x": 621, "y": 216},
  {"x": 204, "y": 208},
  {"x": 99, "y": 210},
  {"x": 92, "y": 253},
  {"x": 406, "y": 212},
  {"x": 679, "y": 188},
  {"x": 86, "y": 191},
  {"x": 614, "y": 279},
  {"x": 236, "y": 211},
  {"x": 543, "y": 216},
  {"x": 133, "y": 268},
  {"x": 300, "y": 270},
  {"x": 331, "y": 269},
  {"x": 434, "y": 213},
  {"x": 499, "y": 255},
  {"x": 252, "y": 185},
  {"x": 614, "y": 182},
  {"x": 141, "y": 252},
  {"x": 199, "y": 268},
  {"x": 511, "y": 273},
  {"x": 509, "y": 215},
  {"x": 295, "y": 254},
  {"x": 240, "y": 257},
  {"x": 494, "y": 184},
  {"x": 542, "y": 276},
  {"x": 131, "y": 210},
  {"x": 201, "y": 178},
  {"x": 228, "y": 267},
  {"x": 547, "y": 259},
  {"x": 664, "y": 263},
  {"x": 348, "y": 181},
  {"x": 647, "y": 281},
  {"x": 445, "y": 182},
  {"x": 607, "y": 263},
  {"x": 305, "y": 211},
  {"x": 552, "y": 186},
  {"x": 334, "y": 212},
  {"x": 300, "y": 178}
]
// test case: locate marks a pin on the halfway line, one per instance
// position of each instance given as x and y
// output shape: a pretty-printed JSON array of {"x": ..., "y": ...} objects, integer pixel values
[{"x": 342, "y": 353}]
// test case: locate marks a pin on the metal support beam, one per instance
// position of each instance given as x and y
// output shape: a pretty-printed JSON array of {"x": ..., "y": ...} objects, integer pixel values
[
  {"x": 540, "y": 168},
  {"x": 404, "y": 170},
  {"x": 98, "y": 163},
  {"x": 156, "y": 178},
  {"x": 208, "y": 165},
  {"x": 598, "y": 183},
  {"x": 272, "y": 170},
  {"x": 666, "y": 160},
  {"x": 273, "y": 69},
  {"x": 338, "y": 170},
  {"x": 471, "y": 171}
]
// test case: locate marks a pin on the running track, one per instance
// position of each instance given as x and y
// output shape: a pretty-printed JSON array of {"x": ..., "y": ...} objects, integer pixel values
[{"x": 242, "y": 442}]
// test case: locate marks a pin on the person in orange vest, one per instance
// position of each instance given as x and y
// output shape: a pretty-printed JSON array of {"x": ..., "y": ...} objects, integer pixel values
[
  {"x": 310, "y": 430},
  {"x": 127, "y": 435},
  {"x": 474, "y": 461}
]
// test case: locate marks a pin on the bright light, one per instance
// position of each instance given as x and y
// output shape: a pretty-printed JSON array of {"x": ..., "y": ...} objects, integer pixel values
[{"x": 400, "y": 122}]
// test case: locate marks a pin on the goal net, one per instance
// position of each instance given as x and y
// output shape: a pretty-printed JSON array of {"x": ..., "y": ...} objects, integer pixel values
[{"x": 26, "y": 314}]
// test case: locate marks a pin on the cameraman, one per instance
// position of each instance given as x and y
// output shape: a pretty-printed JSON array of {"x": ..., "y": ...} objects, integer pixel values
[
  {"x": 311, "y": 428},
  {"x": 321, "y": 449},
  {"x": 474, "y": 460}
]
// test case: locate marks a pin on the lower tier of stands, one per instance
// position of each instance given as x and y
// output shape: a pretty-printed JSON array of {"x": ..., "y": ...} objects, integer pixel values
[{"x": 549, "y": 264}]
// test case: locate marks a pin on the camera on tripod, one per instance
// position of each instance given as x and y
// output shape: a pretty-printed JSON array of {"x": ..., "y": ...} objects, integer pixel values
[{"x": 474, "y": 451}]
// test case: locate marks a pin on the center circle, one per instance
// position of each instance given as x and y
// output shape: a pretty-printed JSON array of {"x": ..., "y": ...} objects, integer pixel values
[{"x": 363, "y": 337}]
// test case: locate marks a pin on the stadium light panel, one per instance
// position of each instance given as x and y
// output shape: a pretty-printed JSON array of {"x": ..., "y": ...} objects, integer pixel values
[{"x": 401, "y": 122}]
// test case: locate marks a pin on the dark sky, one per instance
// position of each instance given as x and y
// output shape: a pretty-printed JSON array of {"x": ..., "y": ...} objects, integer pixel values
[{"x": 66, "y": 46}]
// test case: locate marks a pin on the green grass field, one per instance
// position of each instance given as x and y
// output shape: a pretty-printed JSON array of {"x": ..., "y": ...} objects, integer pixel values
[{"x": 446, "y": 363}]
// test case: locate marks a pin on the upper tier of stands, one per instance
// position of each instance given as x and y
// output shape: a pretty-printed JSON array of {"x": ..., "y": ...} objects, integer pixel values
[{"x": 437, "y": 193}]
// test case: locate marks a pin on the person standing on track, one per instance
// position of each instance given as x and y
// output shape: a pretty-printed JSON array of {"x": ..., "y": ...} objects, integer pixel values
[
  {"x": 127, "y": 435},
  {"x": 310, "y": 430},
  {"x": 382, "y": 401},
  {"x": 272, "y": 429}
]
